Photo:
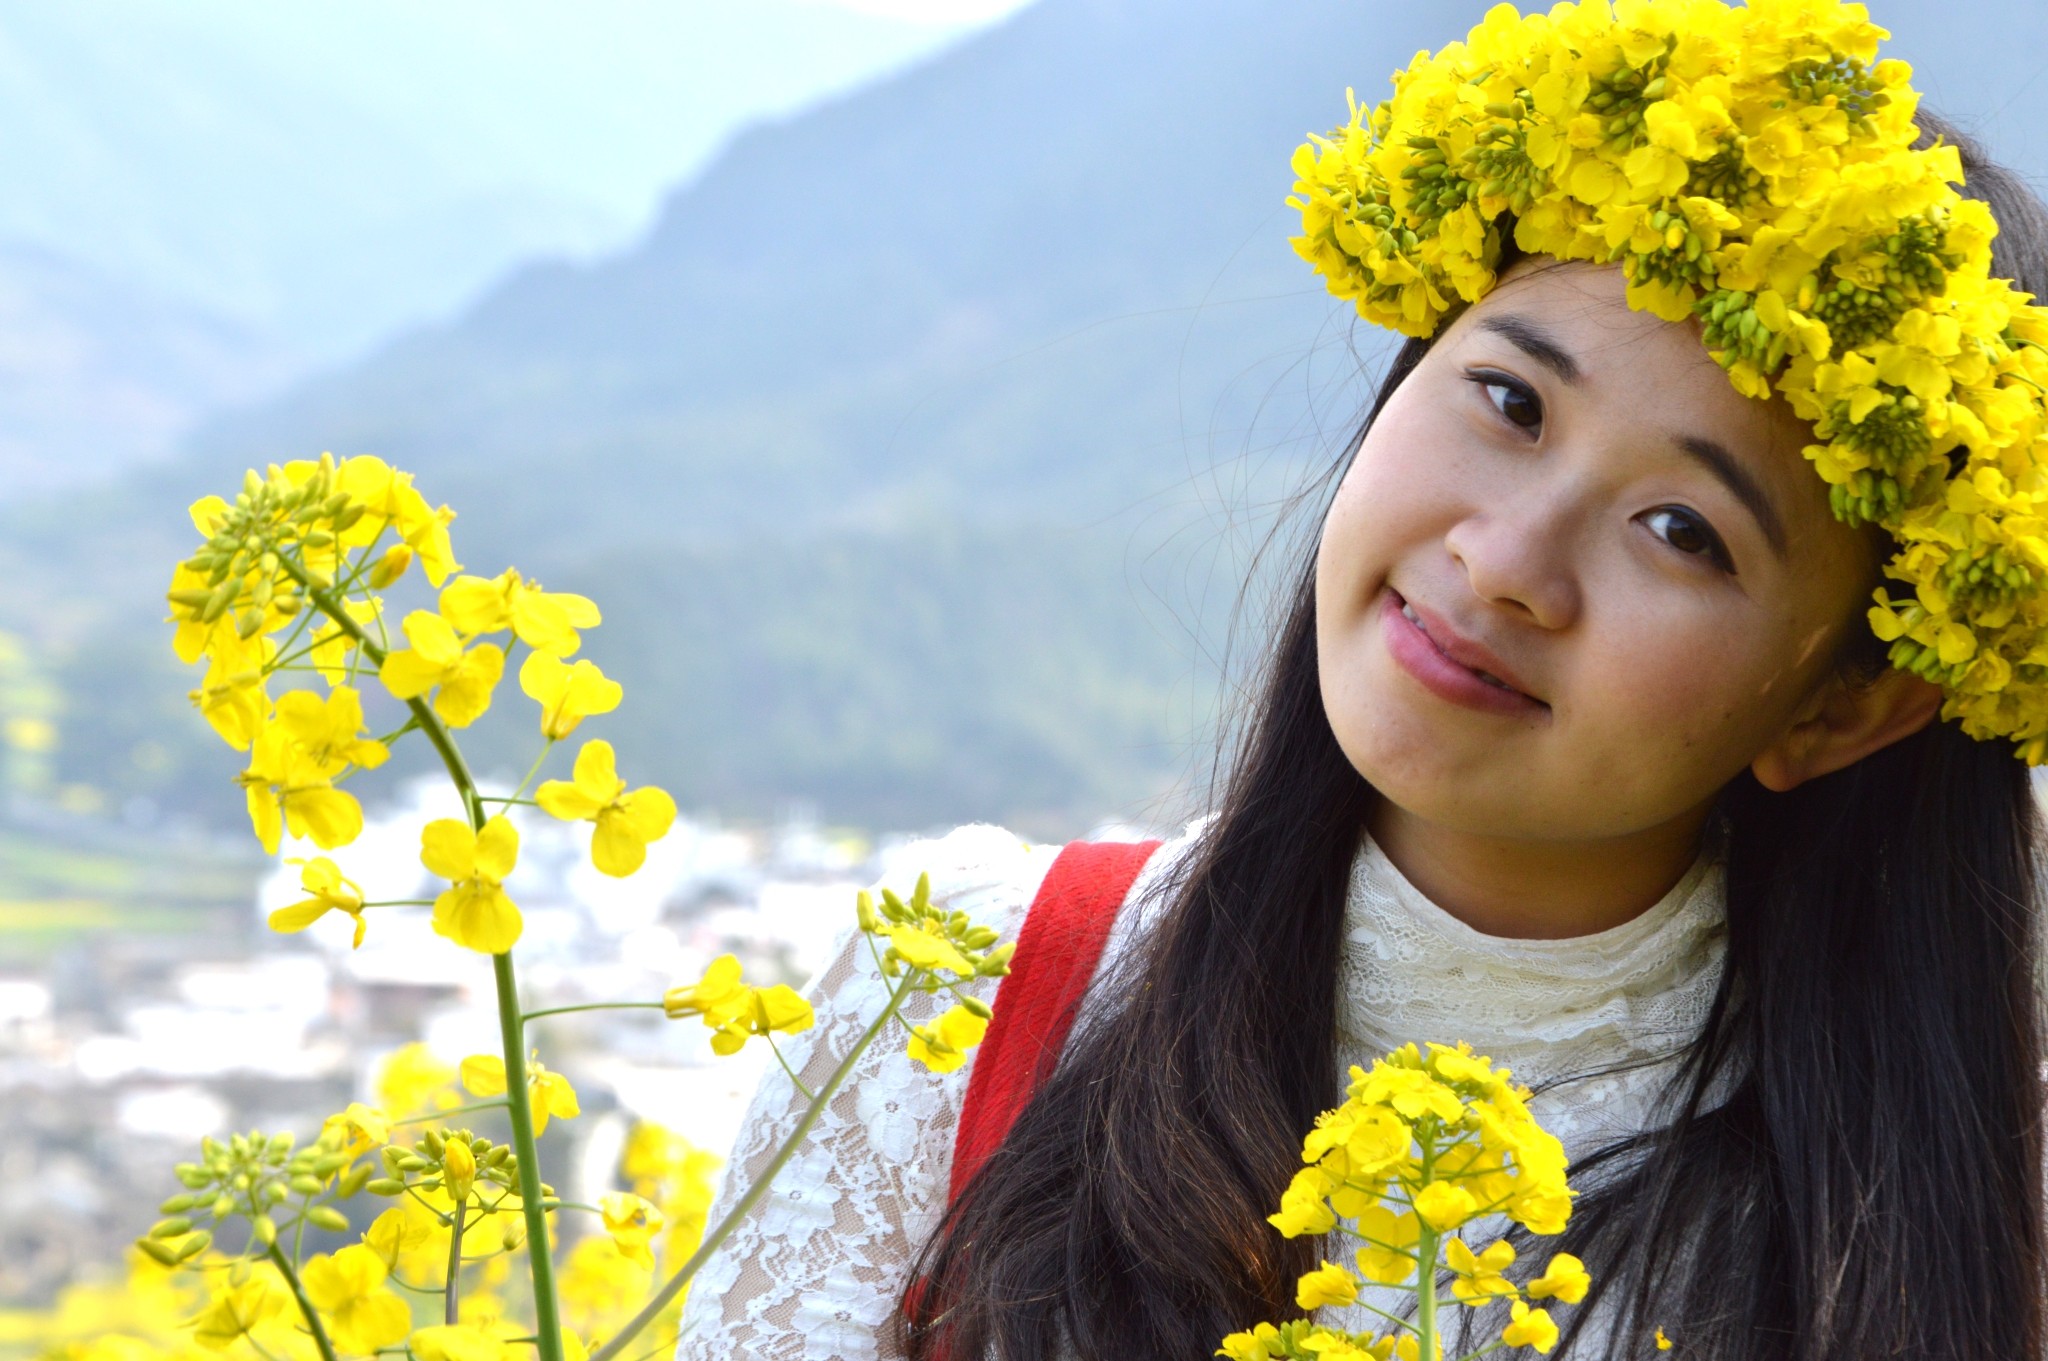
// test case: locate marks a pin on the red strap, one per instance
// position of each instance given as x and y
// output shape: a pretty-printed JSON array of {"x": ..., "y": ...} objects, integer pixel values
[{"x": 1057, "y": 951}]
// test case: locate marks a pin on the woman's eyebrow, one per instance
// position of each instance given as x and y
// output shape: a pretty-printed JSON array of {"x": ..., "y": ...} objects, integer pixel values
[
  {"x": 1531, "y": 339},
  {"x": 1741, "y": 484}
]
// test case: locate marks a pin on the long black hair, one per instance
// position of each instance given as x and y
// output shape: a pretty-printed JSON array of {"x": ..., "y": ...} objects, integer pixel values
[{"x": 1854, "y": 1166}]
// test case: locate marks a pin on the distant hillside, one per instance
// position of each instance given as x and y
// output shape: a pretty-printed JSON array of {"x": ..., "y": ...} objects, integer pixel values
[{"x": 1037, "y": 291}]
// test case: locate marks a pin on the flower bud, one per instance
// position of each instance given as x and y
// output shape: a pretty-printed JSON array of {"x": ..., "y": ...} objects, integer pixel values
[
  {"x": 996, "y": 962},
  {"x": 170, "y": 1228},
  {"x": 327, "y": 1217},
  {"x": 264, "y": 1228},
  {"x": 178, "y": 1205},
  {"x": 163, "y": 1254},
  {"x": 976, "y": 1007},
  {"x": 391, "y": 566},
  {"x": 384, "y": 1186},
  {"x": 194, "y": 1244},
  {"x": 458, "y": 1170},
  {"x": 353, "y": 1182}
]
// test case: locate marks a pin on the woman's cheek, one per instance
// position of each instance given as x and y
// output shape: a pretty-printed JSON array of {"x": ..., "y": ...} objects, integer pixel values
[{"x": 1692, "y": 711}]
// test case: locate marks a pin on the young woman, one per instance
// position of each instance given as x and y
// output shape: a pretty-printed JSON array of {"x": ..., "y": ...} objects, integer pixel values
[{"x": 1576, "y": 744}]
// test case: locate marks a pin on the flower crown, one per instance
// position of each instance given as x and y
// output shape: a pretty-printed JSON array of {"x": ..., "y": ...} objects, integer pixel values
[{"x": 1752, "y": 168}]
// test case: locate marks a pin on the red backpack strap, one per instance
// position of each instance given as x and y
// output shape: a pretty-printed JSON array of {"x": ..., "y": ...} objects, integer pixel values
[{"x": 1057, "y": 951}]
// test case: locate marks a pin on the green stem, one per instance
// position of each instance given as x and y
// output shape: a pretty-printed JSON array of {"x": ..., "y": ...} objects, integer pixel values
[
  {"x": 546, "y": 1320},
  {"x": 1425, "y": 1269},
  {"x": 519, "y": 793},
  {"x": 490, "y": 1105},
  {"x": 594, "y": 1006},
  {"x": 311, "y": 1315},
  {"x": 452, "y": 1312},
  {"x": 744, "y": 1206},
  {"x": 519, "y": 1101},
  {"x": 776, "y": 1050}
]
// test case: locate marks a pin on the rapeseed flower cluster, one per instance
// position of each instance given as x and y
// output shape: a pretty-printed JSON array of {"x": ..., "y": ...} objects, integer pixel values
[
  {"x": 285, "y": 605},
  {"x": 290, "y": 582},
  {"x": 939, "y": 951},
  {"x": 1751, "y": 169},
  {"x": 1429, "y": 1145}
]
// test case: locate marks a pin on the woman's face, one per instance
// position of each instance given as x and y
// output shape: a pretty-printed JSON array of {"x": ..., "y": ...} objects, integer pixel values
[{"x": 1573, "y": 582}]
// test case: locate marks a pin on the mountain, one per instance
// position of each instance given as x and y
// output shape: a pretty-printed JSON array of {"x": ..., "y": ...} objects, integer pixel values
[
  {"x": 921, "y": 441},
  {"x": 249, "y": 192}
]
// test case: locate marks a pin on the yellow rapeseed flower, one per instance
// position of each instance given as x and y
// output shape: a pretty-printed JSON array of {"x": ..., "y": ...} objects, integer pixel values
[
  {"x": 331, "y": 892},
  {"x": 412, "y": 1080},
  {"x": 550, "y": 1093},
  {"x": 626, "y": 820},
  {"x": 297, "y": 755},
  {"x": 1564, "y": 1280},
  {"x": 1443, "y": 1206},
  {"x": 1477, "y": 1278},
  {"x": 358, "y": 1129},
  {"x": 568, "y": 692},
  {"x": 942, "y": 1046},
  {"x": 1327, "y": 1284},
  {"x": 1391, "y": 1237},
  {"x": 922, "y": 946},
  {"x": 474, "y": 911},
  {"x": 736, "y": 1011},
  {"x": 545, "y": 621},
  {"x": 462, "y": 679},
  {"x": 632, "y": 1223},
  {"x": 363, "y": 1314},
  {"x": 1529, "y": 1328},
  {"x": 236, "y": 1309},
  {"x": 458, "y": 1342}
]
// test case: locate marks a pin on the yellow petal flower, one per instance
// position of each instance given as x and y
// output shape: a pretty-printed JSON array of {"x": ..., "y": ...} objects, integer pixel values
[
  {"x": 234, "y": 1311},
  {"x": 474, "y": 911},
  {"x": 942, "y": 1046},
  {"x": 484, "y": 1075},
  {"x": 1564, "y": 1280},
  {"x": 567, "y": 692},
  {"x": 632, "y": 1223},
  {"x": 1530, "y": 1328},
  {"x": 1327, "y": 1284},
  {"x": 626, "y": 822},
  {"x": 458, "y": 1342},
  {"x": 363, "y": 1313},
  {"x": 924, "y": 949},
  {"x": 331, "y": 892},
  {"x": 1444, "y": 1207}
]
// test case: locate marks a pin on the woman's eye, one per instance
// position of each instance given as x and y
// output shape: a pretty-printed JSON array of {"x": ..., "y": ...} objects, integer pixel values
[
  {"x": 1688, "y": 533},
  {"x": 1515, "y": 401}
]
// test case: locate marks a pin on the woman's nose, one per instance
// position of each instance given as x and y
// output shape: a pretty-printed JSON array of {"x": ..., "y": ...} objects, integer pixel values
[{"x": 1520, "y": 559}]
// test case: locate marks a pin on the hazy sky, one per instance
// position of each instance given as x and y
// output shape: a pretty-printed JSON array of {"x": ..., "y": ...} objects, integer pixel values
[{"x": 341, "y": 167}]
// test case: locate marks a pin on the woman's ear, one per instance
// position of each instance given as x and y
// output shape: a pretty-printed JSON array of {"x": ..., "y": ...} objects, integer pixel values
[{"x": 1845, "y": 723}]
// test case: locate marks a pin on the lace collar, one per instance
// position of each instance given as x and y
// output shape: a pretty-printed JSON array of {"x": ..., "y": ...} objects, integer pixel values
[{"x": 1593, "y": 1022}]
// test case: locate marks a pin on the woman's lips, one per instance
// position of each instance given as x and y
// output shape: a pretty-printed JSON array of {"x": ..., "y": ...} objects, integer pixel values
[{"x": 1411, "y": 645}]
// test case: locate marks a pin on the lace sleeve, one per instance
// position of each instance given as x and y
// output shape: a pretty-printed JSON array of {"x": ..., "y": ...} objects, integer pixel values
[{"x": 814, "y": 1273}]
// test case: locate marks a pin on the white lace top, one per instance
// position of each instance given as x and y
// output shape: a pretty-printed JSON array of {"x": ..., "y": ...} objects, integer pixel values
[{"x": 816, "y": 1270}]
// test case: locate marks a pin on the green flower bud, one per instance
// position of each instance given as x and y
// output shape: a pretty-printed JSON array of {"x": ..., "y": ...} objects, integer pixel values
[
  {"x": 162, "y": 1253},
  {"x": 385, "y": 1186},
  {"x": 327, "y": 1217},
  {"x": 170, "y": 1228}
]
